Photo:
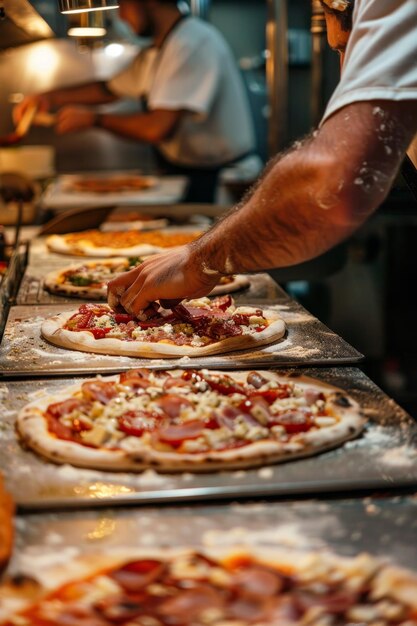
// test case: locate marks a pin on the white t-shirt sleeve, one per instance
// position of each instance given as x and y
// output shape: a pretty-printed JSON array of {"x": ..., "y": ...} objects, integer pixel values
[
  {"x": 187, "y": 77},
  {"x": 131, "y": 82},
  {"x": 381, "y": 57}
]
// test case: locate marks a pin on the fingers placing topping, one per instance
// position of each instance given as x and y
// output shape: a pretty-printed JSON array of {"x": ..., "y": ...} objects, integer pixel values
[
  {"x": 113, "y": 297},
  {"x": 169, "y": 304},
  {"x": 117, "y": 287}
]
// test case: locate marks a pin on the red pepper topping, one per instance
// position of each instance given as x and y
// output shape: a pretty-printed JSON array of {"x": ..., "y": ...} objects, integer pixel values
[
  {"x": 212, "y": 423},
  {"x": 270, "y": 395},
  {"x": 193, "y": 375},
  {"x": 225, "y": 385},
  {"x": 294, "y": 422},
  {"x": 99, "y": 333},
  {"x": 136, "y": 423},
  {"x": 123, "y": 318}
]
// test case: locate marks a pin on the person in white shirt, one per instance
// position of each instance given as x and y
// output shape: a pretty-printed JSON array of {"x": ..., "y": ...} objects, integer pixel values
[
  {"x": 196, "y": 109},
  {"x": 318, "y": 193}
]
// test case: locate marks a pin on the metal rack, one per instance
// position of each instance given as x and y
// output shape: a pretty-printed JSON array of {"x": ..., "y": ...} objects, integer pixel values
[{"x": 10, "y": 281}]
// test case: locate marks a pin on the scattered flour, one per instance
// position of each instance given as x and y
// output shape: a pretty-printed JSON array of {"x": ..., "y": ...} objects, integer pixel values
[
  {"x": 374, "y": 438},
  {"x": 403, "y": 456},
  {"x": 289, "y": 535},
  {"x": 265, "y": 473},
  {"x": 150, "y": 478}
]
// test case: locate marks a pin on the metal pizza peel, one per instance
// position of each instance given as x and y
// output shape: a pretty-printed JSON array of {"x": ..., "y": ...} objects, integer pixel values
[{"x": 76, "y": 220}]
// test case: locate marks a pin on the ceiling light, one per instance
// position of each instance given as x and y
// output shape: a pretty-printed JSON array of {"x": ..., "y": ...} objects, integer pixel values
[
  {"x": 86, "y": 31},
  {"x": 82, "y": 6},
  {"x": 87, "y": 25}
]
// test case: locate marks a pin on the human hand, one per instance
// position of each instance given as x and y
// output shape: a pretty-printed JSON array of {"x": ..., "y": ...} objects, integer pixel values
[
  {"x": 40, "y": 101},
  {"x": 168, "y": 277},
  {"x": 71, "y": 119}
]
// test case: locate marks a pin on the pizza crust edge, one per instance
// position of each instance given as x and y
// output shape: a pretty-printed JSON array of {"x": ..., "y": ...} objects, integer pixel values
[{"x": 53, "y": 332}]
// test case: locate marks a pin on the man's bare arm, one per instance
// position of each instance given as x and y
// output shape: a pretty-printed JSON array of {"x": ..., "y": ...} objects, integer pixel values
[
  {"x": 309, "y": 200},
  {"x": 317, "y": 195},
  {"x": 150, "y": 127},
  {"x": 86, "y": 94}
]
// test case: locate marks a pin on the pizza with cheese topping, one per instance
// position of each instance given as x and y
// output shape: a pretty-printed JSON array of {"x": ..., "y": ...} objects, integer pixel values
[
  {"x": 118, "y": 243},
  {"x": 246, "y": 586},
  {"x": 89, "y": 280},
  {"x": 193, "y": 328},
  {"x": 111, "y": 184},
  {"x": 189, "y": 420}
]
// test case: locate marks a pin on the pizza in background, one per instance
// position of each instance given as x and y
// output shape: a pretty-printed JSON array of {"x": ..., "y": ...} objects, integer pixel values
[
  {"x": 89, "y": 280},
  {"x": 193, "y": 328},
  {"x": 189, "y": 420},
  {"x": 272, "y": 586},
  {"x": 131, "y": 216},
  {"x": 111, "y": 184},
  {"x": 126, "y": 243}
]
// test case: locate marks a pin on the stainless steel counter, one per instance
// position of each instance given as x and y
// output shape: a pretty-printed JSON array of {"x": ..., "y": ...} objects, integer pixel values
[
  {"x": 383, "y": 457},
  {"x": 385, "y": 527}
]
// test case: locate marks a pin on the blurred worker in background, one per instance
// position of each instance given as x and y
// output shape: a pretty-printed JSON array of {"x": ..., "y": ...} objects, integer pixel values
[{"x": 195, "y": 108}]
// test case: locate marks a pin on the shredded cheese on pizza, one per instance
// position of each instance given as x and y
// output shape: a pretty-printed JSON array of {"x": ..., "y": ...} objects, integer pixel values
[{"x": 188, "y": 413}]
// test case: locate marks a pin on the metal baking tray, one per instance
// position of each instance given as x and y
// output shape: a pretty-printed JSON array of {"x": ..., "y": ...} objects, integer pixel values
[
  {"x": 307, "y": 342},
  {"x": 262, "y": 289},
  {"x": 385, "y": 528},
  {"x": 383, "y": 457},
  {"x": 10, "y": 281}
]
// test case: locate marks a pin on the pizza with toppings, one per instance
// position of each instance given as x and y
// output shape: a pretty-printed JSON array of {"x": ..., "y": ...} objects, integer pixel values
[
  {"x": 193, "y": 328},
  {"x": 111, "y": 184},
  {"x": 189, "y": 420},
  {"x": 89, "y": 280},
  {"x": 115, "y": 243},
  {"x": 6, "y": 525},
  {"x": 119, "y": 215},
  {"x": 250, "y": 586}
]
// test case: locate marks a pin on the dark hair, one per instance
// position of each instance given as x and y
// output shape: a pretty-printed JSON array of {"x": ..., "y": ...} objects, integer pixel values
[{"x": 344, "y": 16}]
